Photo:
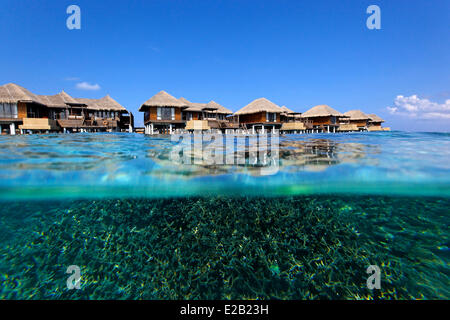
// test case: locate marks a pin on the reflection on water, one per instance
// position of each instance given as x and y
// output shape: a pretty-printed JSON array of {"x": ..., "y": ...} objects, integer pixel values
[
  {"x": 308, "y": 154},
  {"x": 319, "y": 154},
  {"x": 385, "y": 162}
]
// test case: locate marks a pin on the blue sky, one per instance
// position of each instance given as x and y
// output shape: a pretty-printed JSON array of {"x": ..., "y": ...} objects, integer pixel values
[{"x": 295, "y": 53}]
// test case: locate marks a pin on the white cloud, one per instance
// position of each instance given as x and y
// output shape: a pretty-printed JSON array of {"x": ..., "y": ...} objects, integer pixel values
[
  {"x": 416, "y": 107},
  {"x": 87, "y": 86}
]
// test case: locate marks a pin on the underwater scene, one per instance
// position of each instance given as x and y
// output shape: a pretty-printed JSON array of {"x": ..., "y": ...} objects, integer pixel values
[{"x": 140, "y": 217}]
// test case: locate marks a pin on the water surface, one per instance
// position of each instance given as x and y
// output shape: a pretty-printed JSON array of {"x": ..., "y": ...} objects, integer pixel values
[{"x": 88, "y": 165}]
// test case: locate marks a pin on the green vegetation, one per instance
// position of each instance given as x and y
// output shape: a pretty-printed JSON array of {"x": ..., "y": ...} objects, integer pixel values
[{"x": 226, "y": 248}]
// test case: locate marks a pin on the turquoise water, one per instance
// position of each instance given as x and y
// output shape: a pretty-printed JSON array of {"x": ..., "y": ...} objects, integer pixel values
[
  {"x": 306, "y": 225},
  {"x": 132, "y": 165}
]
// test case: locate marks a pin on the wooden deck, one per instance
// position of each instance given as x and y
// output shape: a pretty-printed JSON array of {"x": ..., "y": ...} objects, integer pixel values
[{"x": 38, "y": 124}]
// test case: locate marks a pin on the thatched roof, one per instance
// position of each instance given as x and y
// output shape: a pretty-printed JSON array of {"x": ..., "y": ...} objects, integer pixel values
[
  {"x": 163, "y": 99},
  {"x": 105, "y": 103},
  {"x": 259, "y": 105},
  {"x": 220, "y": 109},
  {"x": 211, "y": 106},
  {"x": 108, "y": 103},
  {"x": 60, "y": 100},
  {"x": 184, "y": 100},
  {"x": 321, "y": 111},
  {"x": 68, "y": 99},
  {"x": 356, "y": 115},
  {"x": 286, "y": 110},
  {"x": 193, "y": 106},
  {"x": 374, "y": 118},
  {"x": 198, "y": 107},
  {"x": 13, "y": 93},
  {"x": 289, "y": 111}
]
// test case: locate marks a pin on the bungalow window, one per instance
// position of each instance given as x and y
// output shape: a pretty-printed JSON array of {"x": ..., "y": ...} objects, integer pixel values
[
  {"x": 8, "y": 110},
  {"x": 271, "y": 117},
  {"x": 33, "y": 111},
  {"x": 164, "y": 113},
  {"x": 62, "y": 114},
  {"x": 187, "y": 115}
]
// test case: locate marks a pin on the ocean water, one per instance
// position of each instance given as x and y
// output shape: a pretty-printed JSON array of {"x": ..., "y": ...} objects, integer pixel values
[{"x": 303, "y": 221}]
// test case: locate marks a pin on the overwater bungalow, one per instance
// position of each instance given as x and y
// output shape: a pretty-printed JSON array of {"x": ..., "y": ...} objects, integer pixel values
[
  {"x": 193, "y": 112},
  {"x": 162, "y": 113},
  {"x": 355, "y": 120},
  {"x": 323, "y": 118},
  {"x": 60, "y": 107},
  {"x": 201, "y": 116},
  {"x": 100, "y": 115},
  {"x": 292, "y": 122},
  {"x": 219, "y": 117},
  {"x": 259, "y": 115},
  {"x": 211, "y": 111},
  {"x": 287, "y": 114},
  {"x": 194, "y": 115},
  {"x": 374, "y": 123},
  {"x": 22, "y": 111},
  {"x": 224, "y": 117}
]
